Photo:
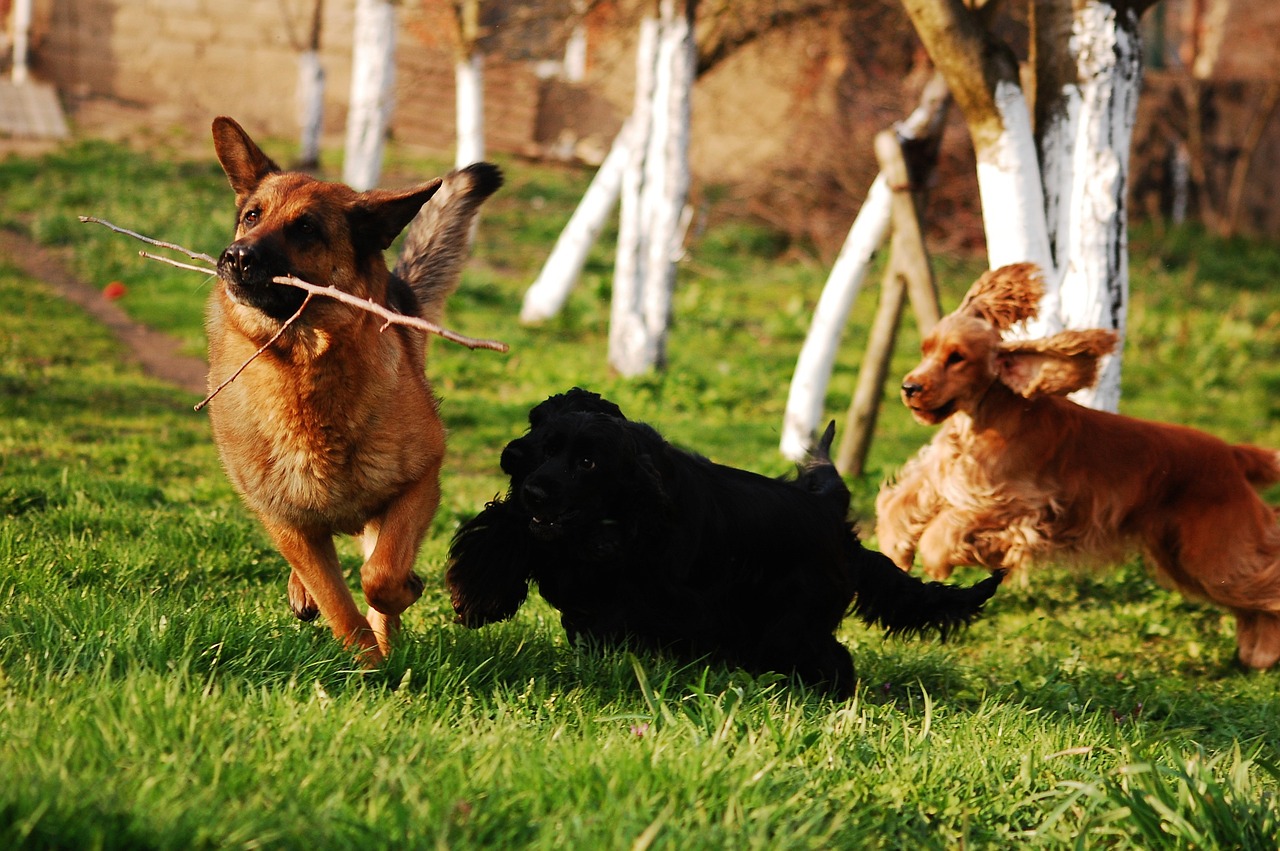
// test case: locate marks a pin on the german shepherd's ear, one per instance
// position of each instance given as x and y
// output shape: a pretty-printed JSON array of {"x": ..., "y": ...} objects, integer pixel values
[
  {"x": 379, "y": 215},
  {"x": 242, "y": 160}
]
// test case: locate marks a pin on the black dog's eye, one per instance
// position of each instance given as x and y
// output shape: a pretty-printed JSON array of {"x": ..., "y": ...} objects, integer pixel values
[
  {"x": 954, "y": 358},
  {"x": 586, "y": 464}
]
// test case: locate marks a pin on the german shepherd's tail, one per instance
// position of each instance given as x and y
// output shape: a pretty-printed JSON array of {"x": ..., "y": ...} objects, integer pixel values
[
  {"x": 438, "y": 240},
  {"x": 1260, "y": 467}
]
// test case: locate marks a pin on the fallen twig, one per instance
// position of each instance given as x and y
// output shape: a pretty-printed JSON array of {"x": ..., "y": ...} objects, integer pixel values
[{"x": 390, "y": 316}]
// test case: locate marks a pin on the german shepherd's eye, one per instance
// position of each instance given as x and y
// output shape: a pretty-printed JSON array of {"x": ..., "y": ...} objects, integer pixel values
[
  {"x": 954, "y": 358},
  {"x": 305, "y": 229},
  {"x": 251, "y": 217}
]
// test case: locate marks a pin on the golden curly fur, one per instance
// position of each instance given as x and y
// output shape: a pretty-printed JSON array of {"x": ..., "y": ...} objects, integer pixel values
[{"x": 1019, "y": 474}]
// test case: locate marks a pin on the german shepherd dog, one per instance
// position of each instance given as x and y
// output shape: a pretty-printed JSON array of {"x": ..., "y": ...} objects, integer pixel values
[{"x": 334, "y": 427}]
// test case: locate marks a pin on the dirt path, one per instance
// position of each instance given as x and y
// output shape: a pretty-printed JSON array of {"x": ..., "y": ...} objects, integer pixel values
[{"x": 158, "y": 354}]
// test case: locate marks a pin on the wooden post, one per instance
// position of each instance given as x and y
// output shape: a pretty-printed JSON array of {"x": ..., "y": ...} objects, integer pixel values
[{"x": 908, "y": 272}]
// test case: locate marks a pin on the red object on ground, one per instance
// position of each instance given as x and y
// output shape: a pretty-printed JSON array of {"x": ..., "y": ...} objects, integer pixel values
[{"x": 113, "y": 290}]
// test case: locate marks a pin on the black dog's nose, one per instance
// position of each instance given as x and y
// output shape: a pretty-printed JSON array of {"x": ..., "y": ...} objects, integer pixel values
[
  {"x": 535, "y": 496},
  {"x": 237, "y": 258},
  {"x": 910, "y": 388}
]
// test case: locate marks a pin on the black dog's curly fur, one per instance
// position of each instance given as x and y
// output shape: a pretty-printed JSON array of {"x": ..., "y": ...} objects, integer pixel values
[{"x": 632, "y": 539}]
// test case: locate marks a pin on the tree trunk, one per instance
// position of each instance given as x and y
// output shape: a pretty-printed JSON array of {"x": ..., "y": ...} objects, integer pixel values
[
  {"x": 310, "y": 108},
  {"x": 310, "y": 92},
  {"x": 807, "y": 395},
  {"x": 1056, "y": 199},
  {"x": 547, "y": 296},
  {"x": 666, "y": 179},
  {"x": 626, "y": 324},
  {"x": 1086, "y": 105},
  {"x": 469, "y": 75},
  {"x": 372, "y": 87},
  {"x": 21, "y": 38}
]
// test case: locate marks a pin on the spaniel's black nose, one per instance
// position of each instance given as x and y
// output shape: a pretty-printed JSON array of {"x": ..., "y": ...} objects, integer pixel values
[{"x": 910, "y": 388}]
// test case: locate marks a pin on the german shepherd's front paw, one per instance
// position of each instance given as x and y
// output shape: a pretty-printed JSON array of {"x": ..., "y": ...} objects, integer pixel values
[{"x": 300, "y": 601}]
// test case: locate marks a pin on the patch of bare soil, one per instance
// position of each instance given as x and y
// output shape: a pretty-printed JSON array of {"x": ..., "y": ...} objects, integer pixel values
[{"x": 158, "y": 354}]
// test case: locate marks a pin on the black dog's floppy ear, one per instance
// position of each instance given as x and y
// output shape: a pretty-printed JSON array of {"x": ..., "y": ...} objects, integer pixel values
[
  {"x": 242, "y": 160},
  {"x": 488, "y": 570}
]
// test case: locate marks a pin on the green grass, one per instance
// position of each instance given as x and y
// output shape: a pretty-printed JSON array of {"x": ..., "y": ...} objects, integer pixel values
[{"x": 155, "y": 692}]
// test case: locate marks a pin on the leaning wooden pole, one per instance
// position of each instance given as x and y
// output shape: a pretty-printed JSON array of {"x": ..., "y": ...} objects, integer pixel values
[{"x": 908, "y": 273}]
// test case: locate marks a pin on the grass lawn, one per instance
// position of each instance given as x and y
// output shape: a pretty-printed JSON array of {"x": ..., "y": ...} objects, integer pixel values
[{"x": 155, "y": 691}]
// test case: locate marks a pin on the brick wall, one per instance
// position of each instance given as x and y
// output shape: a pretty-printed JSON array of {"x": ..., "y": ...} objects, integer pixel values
[{"x": 189, "y": 60}]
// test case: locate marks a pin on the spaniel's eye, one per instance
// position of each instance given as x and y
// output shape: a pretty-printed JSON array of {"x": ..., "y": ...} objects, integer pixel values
[
  {"x": 586, "y": 464},
  {"x": 954, "y": 358}
]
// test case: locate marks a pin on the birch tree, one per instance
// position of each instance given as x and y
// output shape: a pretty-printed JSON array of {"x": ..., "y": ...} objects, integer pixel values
[
  {"x": 373, "y": 70},
  {"x": 1052, "y": 192},
  {"x": 310, "y": 91},
  {"x": 655, "y": 186},
  {"x": 468, "y": 74}
]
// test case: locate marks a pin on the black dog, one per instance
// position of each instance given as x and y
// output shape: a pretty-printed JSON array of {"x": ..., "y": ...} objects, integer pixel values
[{"x": 632, "y": 539}]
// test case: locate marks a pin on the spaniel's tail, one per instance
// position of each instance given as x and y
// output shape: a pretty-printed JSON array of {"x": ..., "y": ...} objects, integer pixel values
[
  {"x": 1261, "y": 467},
  {"x": 901, "y": 603}
]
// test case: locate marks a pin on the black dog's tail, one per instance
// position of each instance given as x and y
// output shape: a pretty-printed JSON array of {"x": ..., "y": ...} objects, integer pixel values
[
  {"x": 901, "y": 603},
  {"x": 819, "y": 476},
  {"x": 438, "y": 240}
]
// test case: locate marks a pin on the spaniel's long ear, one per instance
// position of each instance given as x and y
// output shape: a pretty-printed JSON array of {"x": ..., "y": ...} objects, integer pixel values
[
  {"x": 489, "y": 565},
  {"x": 1053, "y": 366},
  {"x": 1005, "y": 296}
]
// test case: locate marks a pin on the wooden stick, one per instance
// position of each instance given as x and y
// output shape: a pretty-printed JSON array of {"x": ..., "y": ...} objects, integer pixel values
[
  {"x": 276, "y": 336},
  {"x": 391, "y": 316},
  {"x": 194, "y": 255},
  {"x": 179, "y": 264}
]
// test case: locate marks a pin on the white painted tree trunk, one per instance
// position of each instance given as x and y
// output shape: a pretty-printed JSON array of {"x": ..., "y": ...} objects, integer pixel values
[
  {"x": 812, "y": 374},
  {"x": 21, "y": 36},
  {"x": 626, "y": 322},
  {"x": 1010, "y": 188},
  {"x": 1085, "y": 162},
  {"x": 1087, "y": 64},
  {"x": 372, "y": 88},
  {"x": 310, "y": 106},
  {"x": 575, "y": 52},
  {"x": 666, "y": 182},
  {"x": 808, "y": 392},
  {"x": 469, "y": 74},
  {"x": 564, "y": 266}
]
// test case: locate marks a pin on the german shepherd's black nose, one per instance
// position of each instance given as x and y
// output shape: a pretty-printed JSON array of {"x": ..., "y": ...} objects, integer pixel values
[{"x": 238, "y": 259}]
